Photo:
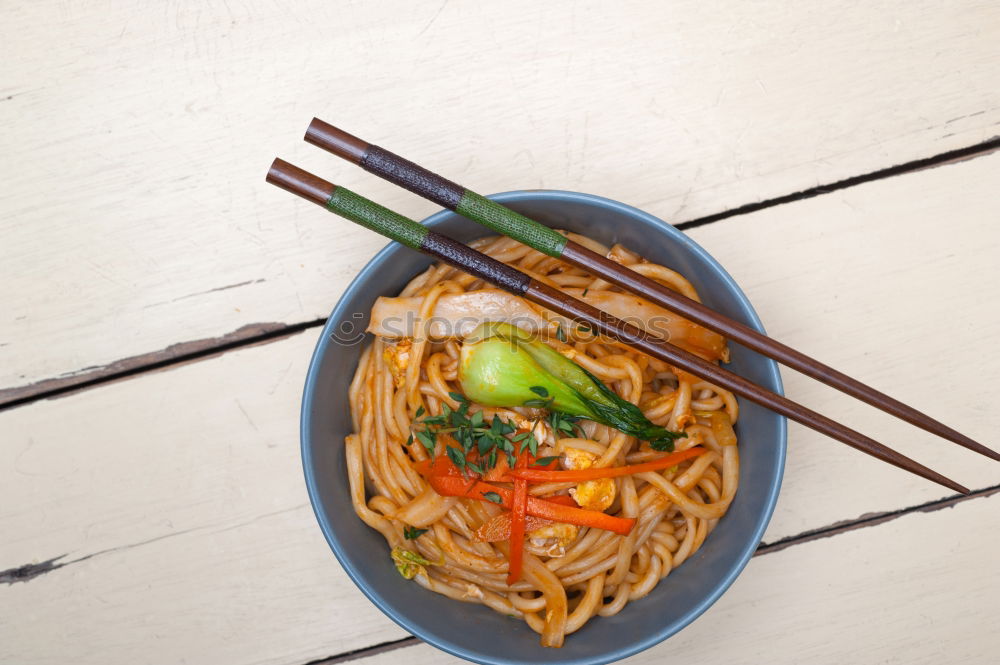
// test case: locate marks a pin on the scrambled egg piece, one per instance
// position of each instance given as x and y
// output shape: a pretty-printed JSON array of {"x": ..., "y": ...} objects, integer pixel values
[
  {"x": 538, "y": 427},
  {"x": 397, "y": 357},
  {"x": 596, "y": 494},
  {"x": 574, "y": 459},
  {"x": 568, "y": 353},
  {"x": 551, "y": 540}
]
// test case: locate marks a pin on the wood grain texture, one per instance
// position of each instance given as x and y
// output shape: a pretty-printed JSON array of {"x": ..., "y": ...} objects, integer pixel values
[
  {"x": 183, "y": 524},
  {"x": 890, "y": 283},
  {"x": 814, "y": 603},
  {"x": 177, "y": 504},
  {"x": 134, "y": 213},
  {"x": 174, "y": 505}
]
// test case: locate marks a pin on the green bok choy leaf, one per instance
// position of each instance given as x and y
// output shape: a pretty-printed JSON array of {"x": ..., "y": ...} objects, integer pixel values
[{"x": 502, "y": 365}]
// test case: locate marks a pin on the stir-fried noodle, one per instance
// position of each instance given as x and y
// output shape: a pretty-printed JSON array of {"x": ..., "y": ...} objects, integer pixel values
[{"x": 570, "y": 573}]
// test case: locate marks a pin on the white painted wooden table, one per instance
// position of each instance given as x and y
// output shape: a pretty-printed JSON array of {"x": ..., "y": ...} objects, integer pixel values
[{"x": 158, "y": 302}]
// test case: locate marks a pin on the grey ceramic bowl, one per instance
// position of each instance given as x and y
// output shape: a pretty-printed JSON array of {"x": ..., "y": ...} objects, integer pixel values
[{"x": 477, "y": 633}]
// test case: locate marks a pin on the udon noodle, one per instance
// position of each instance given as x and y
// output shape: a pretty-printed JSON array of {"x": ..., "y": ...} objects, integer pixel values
[{"x": 570, "y": 574}]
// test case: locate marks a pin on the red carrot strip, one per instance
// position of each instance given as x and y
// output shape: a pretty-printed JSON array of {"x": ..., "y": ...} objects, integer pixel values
[
  {"x": 498, "y": 528},
  {"x": 446, "y": 485},
  {"x": 498, "y": 472},
  {"x": 518, "y": 511},
  {"x": 561, "y": 499},
  {"x": 581, "y": 475}
]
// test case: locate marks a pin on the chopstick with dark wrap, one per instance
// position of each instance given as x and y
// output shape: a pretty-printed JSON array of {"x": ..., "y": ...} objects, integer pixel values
[
  {"x": 410, "y": 233},
  {"x": 503, "y": 220}
]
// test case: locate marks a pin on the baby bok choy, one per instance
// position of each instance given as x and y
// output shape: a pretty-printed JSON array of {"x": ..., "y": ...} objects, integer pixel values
[{"x": 502, "y": 365}]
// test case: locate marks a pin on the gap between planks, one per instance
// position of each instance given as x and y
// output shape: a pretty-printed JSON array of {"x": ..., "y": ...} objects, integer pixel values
[
  {"x": 28, "y": 572},
  {"x": 366, "y": 653},
  {"x": 260, "y": 333},
  {"x": 765, "y": 548},
  {"x": 943, "y": 159},
  {"x": 174, "y": 355}
]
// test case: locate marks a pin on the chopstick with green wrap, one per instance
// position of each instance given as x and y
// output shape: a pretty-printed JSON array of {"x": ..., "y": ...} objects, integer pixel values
[
  {"x": 506, "y": 221},
  {"x": 408, "y": 232}
]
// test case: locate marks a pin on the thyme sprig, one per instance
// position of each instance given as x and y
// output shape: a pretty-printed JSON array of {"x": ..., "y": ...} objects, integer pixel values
[
  {"x": 487, "y": 440},
  {"x": 412, "y": 532}
]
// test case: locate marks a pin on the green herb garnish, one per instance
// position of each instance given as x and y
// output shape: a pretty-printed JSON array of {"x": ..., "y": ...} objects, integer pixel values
[
  {"x": 427, "y": 439},
  {"x": 563, "y": 425},
  {"x": 412, "y": 532},
  {"x": 472, "y": 433},
  {"x": 492, "y": 496},
  {"x": 527, "y": 440},
  {"x": 456, "y": 456}
]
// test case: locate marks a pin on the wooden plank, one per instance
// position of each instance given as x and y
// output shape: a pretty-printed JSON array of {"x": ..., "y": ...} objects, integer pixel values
[
  {"x": 211, "y": 440},
  {"x": 185, "y": 500},
  {"x": 266, "y": 590},
  {"x": 176, "y": 503},
  {"x": 888, "y": 594},
  {"x": 134, "y": 213},
  {"x": 889, "y": 282}
]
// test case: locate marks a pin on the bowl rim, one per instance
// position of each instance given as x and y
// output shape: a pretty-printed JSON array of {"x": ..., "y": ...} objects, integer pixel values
[{"x": 721, "y": 584}]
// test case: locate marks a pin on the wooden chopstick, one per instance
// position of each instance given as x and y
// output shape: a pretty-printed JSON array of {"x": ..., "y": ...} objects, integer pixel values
[
  {"x": 498, "y": 217},
  {"x": 412, "y": 234}
]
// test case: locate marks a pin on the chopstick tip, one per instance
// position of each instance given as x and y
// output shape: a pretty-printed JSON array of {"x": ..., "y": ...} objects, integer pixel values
[
  {"x": 315, "y": 126},
  {"x": 337, "y": 141},
  {"x": 961, "y": 489},
  {"x": 964, "y": 441},
  {"x": 992, "y": 454},
  {"x": 301, "y": 183},
  {"x": 274, "y": 171}
]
